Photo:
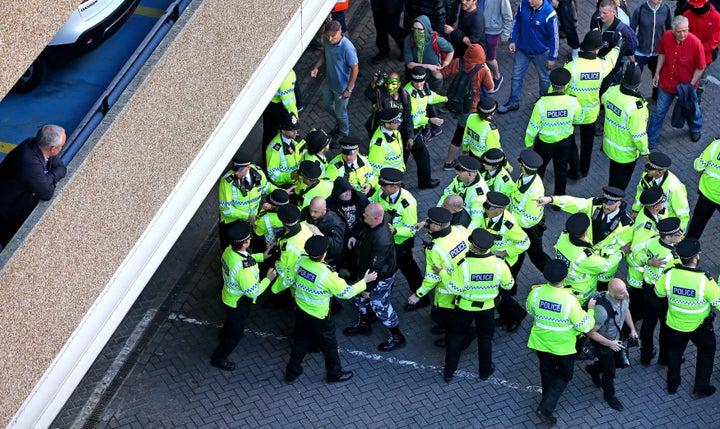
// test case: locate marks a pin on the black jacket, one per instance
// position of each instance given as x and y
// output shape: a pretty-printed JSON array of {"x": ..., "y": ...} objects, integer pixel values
[
  {"x": 333, "y": 228},
  {"x": 359, "y": 199},
  {"x": 376, "y": 252}
]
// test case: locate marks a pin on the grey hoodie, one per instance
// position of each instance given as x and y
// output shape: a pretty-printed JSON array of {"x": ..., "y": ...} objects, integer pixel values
[{"x": 498, "y": 18}]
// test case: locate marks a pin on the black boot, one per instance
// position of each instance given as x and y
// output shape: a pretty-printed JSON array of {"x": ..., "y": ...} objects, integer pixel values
[
  {"x": 396, "y": 340},
  {"x": 362, "y": 327}
]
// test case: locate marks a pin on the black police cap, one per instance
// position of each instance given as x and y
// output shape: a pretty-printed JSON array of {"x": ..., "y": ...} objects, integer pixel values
[
  {"x": 658, "y": 161},
  {"x": 560, "y": 76},
  {"x": 493, "y": 156},
  {"x": 468, "y": 163},
  {"x": 239, "y": 231},
  {"x": 482, "y": 239},
  {"x": 316, "y": 140},
  {"x": 497, "y": 200},
  {"x": 439, "y": 215},
  {"x": 289, "y": 122},
  {"x": 669, "y": 226},
  {"x": 631, "y": 77},
  {"x": 288, "y": 214},
  {"x": 531, "y": 159},
  {"x": 390, "y": 176},
  {"x": 278, "y": 197},
  {"x": 592, "y": 41},
  {"x": 349, "y": 145},
  {"x": 613, "y": 193},
  {"x": 577, "y": 224},
  {"x": 241, "y": 162},
  {"x": 688, "y": 248},
  {"x": 555, "y": 271},
  {"x": 651, "y": 196},
  {"x": 418, "y": 74},
  {"x": 487, "y": 105},
  {"x": 389, "y": 114},
  {"x": 316, "y": 246},
  {"x": 309, "y": 169}
]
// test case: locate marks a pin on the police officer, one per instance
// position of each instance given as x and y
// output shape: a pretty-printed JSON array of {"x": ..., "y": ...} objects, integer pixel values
[
  {"x": 474, "y": 283},
  {"x": 511, "y": 240},
  {"x": 375, "y": 252},
  {"x": 657, "y": 174},
  {"x": 316, "y": 284},
  {"x": 625, "y": 129},
  {"x": 587, "y": 72},
  {"x": 481, "y": 132},
  {"x": 401, "y": 209},
  {"x": 283, "y": 101},
  {"x": 449, "y": 245},
  {"x": 558, "y": 317},
  {"x": 527, "y": 211},
  {"x": 353, "y": 166},
  {"x": 239, "y": 192},
  {"x": 284, "y": 153},
  {"x": 708, "y": 188},
  {"x": 495, "y": 174},
  {"x": 241, "y": 287},
  {"x": 386, "y": 146},
  {"x": 291, "y": 245},
  {"x": 585, "y": 265},
  {"x": 608, "y": 215},
  {"x": 317, "y": 145},
  {"x": 691, "y": 294},
  {"x": 311, "y": 184},
  {"x": 470, "y": 186},
  {"x": 654, "y": 259},
  {"x": 267, "y": 223},
  {"x": 551, "y": 128}
]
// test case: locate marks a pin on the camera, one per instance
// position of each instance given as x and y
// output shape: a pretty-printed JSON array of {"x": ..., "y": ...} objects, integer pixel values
[
  {"x": 380, "y": 78},
  {"x": 623, "y": 360}
]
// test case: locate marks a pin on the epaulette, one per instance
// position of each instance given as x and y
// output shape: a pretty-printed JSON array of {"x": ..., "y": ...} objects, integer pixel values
[
  {"x": 505, "y": 178},
  {"x": 277, "y": 146},
  {"x": 508, "y": 224},
  {"x": 647, "y": 225},
  {"x": 283, "y": 247},
  {"x": 338, "y": 164},
  {"x": 493, "y": 126},
  {"x": 460, "y": 261},
  {"x": 247, "y": 263},
  {"x": 479, "y": 191},
  {"x": 229, "y": 179},
  {"x": 640, "y": 103},
  {"x": 405, "y": 203},
  {"x": 379, "y": 141},
  {"x": 429, "y": 246},
  {"x": 588, "y": 252}
]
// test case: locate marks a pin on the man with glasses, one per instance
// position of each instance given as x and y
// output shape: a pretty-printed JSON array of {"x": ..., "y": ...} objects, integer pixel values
[
  {"x": 341, "y": 71},
  {"x": 657, "y": 174},
  {"x": 27, "y": 175}
]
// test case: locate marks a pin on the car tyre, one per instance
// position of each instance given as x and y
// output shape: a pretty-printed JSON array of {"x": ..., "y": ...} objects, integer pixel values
[{"x": 32, "y": 76}]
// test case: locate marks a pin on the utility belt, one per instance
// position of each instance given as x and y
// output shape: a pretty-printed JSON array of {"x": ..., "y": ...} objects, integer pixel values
[
  {"x": 707, "y": 323},
  {"x": 469, "y": 305}
]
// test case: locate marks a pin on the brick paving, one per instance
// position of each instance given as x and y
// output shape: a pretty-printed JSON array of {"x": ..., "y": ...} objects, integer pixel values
[{"x": 167, "y": 380}]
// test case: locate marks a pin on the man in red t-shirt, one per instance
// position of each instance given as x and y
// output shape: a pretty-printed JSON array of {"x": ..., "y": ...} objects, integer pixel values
[
  {"x": 704, "y": 22},
  {"x": 681, "y": 60}
]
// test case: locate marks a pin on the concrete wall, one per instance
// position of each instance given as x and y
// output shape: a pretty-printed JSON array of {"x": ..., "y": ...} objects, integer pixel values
[{"x": 159, "y": 152}]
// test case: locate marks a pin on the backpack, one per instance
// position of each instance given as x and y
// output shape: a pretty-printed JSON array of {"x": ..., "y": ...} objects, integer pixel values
[
  {"x": 435, "y": 46},
  {"x": 460, "y": 91}
]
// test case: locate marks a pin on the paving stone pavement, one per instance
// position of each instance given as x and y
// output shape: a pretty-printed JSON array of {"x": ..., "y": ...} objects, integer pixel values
[{"x": 165, "y": 380}]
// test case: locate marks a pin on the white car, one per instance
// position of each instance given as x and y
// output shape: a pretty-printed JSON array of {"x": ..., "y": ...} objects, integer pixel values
[{"x": 90, "y": 24}]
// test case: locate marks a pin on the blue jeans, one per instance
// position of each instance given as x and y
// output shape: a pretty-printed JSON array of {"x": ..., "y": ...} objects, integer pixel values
[
  {"x": 336, "y": 105},
  {"x": 657, "y": 117},
  {"x": 520, "y": 66}
]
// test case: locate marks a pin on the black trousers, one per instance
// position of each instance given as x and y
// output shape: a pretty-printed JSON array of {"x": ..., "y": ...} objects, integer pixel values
[
  {"x": 703, "y": 211},
  {"x": 555, "y": 373},
  {"x": 559, "y": 153},
  {"x": 232, "y": 331},
  {"x": 655, "y": 311},
  {"x": 620, "y": 174},
  {"x": 704, "y": 339},
  {"x": 567, "y": 18},
  {"x": 309, "y": 331},
  {"x": 407, "y": 265},
  {"x": 459, "y": 326},
  {"x": 581, "y": 164},
  {"x": 637, "y": 304},
  {"x": 605, "y": 365},
  {"x": 421, "y": 155},
  {"x": 387, "y": 23},
  {"x": 537, "y": 255}
]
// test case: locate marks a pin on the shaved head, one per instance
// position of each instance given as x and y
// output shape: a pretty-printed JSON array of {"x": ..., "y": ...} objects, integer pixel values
[
  {"x": 317, "y": 208},
  {"x": 453, "y": 203},
  {"x": 373, "y": 215}
]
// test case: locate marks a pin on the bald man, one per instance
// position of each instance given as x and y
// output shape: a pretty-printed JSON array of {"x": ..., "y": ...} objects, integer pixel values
[
  {"x": 329, "y": 224},
  {"x": 376, "y": 252},
  {"x": 455, "y": 205},
  {"x": 606, "y": 336}
]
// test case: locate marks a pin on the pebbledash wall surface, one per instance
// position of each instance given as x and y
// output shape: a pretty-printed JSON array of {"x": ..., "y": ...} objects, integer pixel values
[{"x": 67, "y": 281}]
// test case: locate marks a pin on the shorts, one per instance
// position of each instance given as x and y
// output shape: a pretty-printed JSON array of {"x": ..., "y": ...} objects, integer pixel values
[{"x": 492, "y": 41}]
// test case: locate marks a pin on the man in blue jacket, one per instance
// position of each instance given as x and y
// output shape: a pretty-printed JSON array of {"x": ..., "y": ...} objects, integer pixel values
[
  {"x": 534, "y": 39},
  {"x": 29, "y": 174}
]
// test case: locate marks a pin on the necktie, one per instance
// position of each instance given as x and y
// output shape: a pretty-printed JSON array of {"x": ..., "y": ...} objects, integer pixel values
[
  {"x": 348, "y": 169},
  {"x": 247, "y": 184}
]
